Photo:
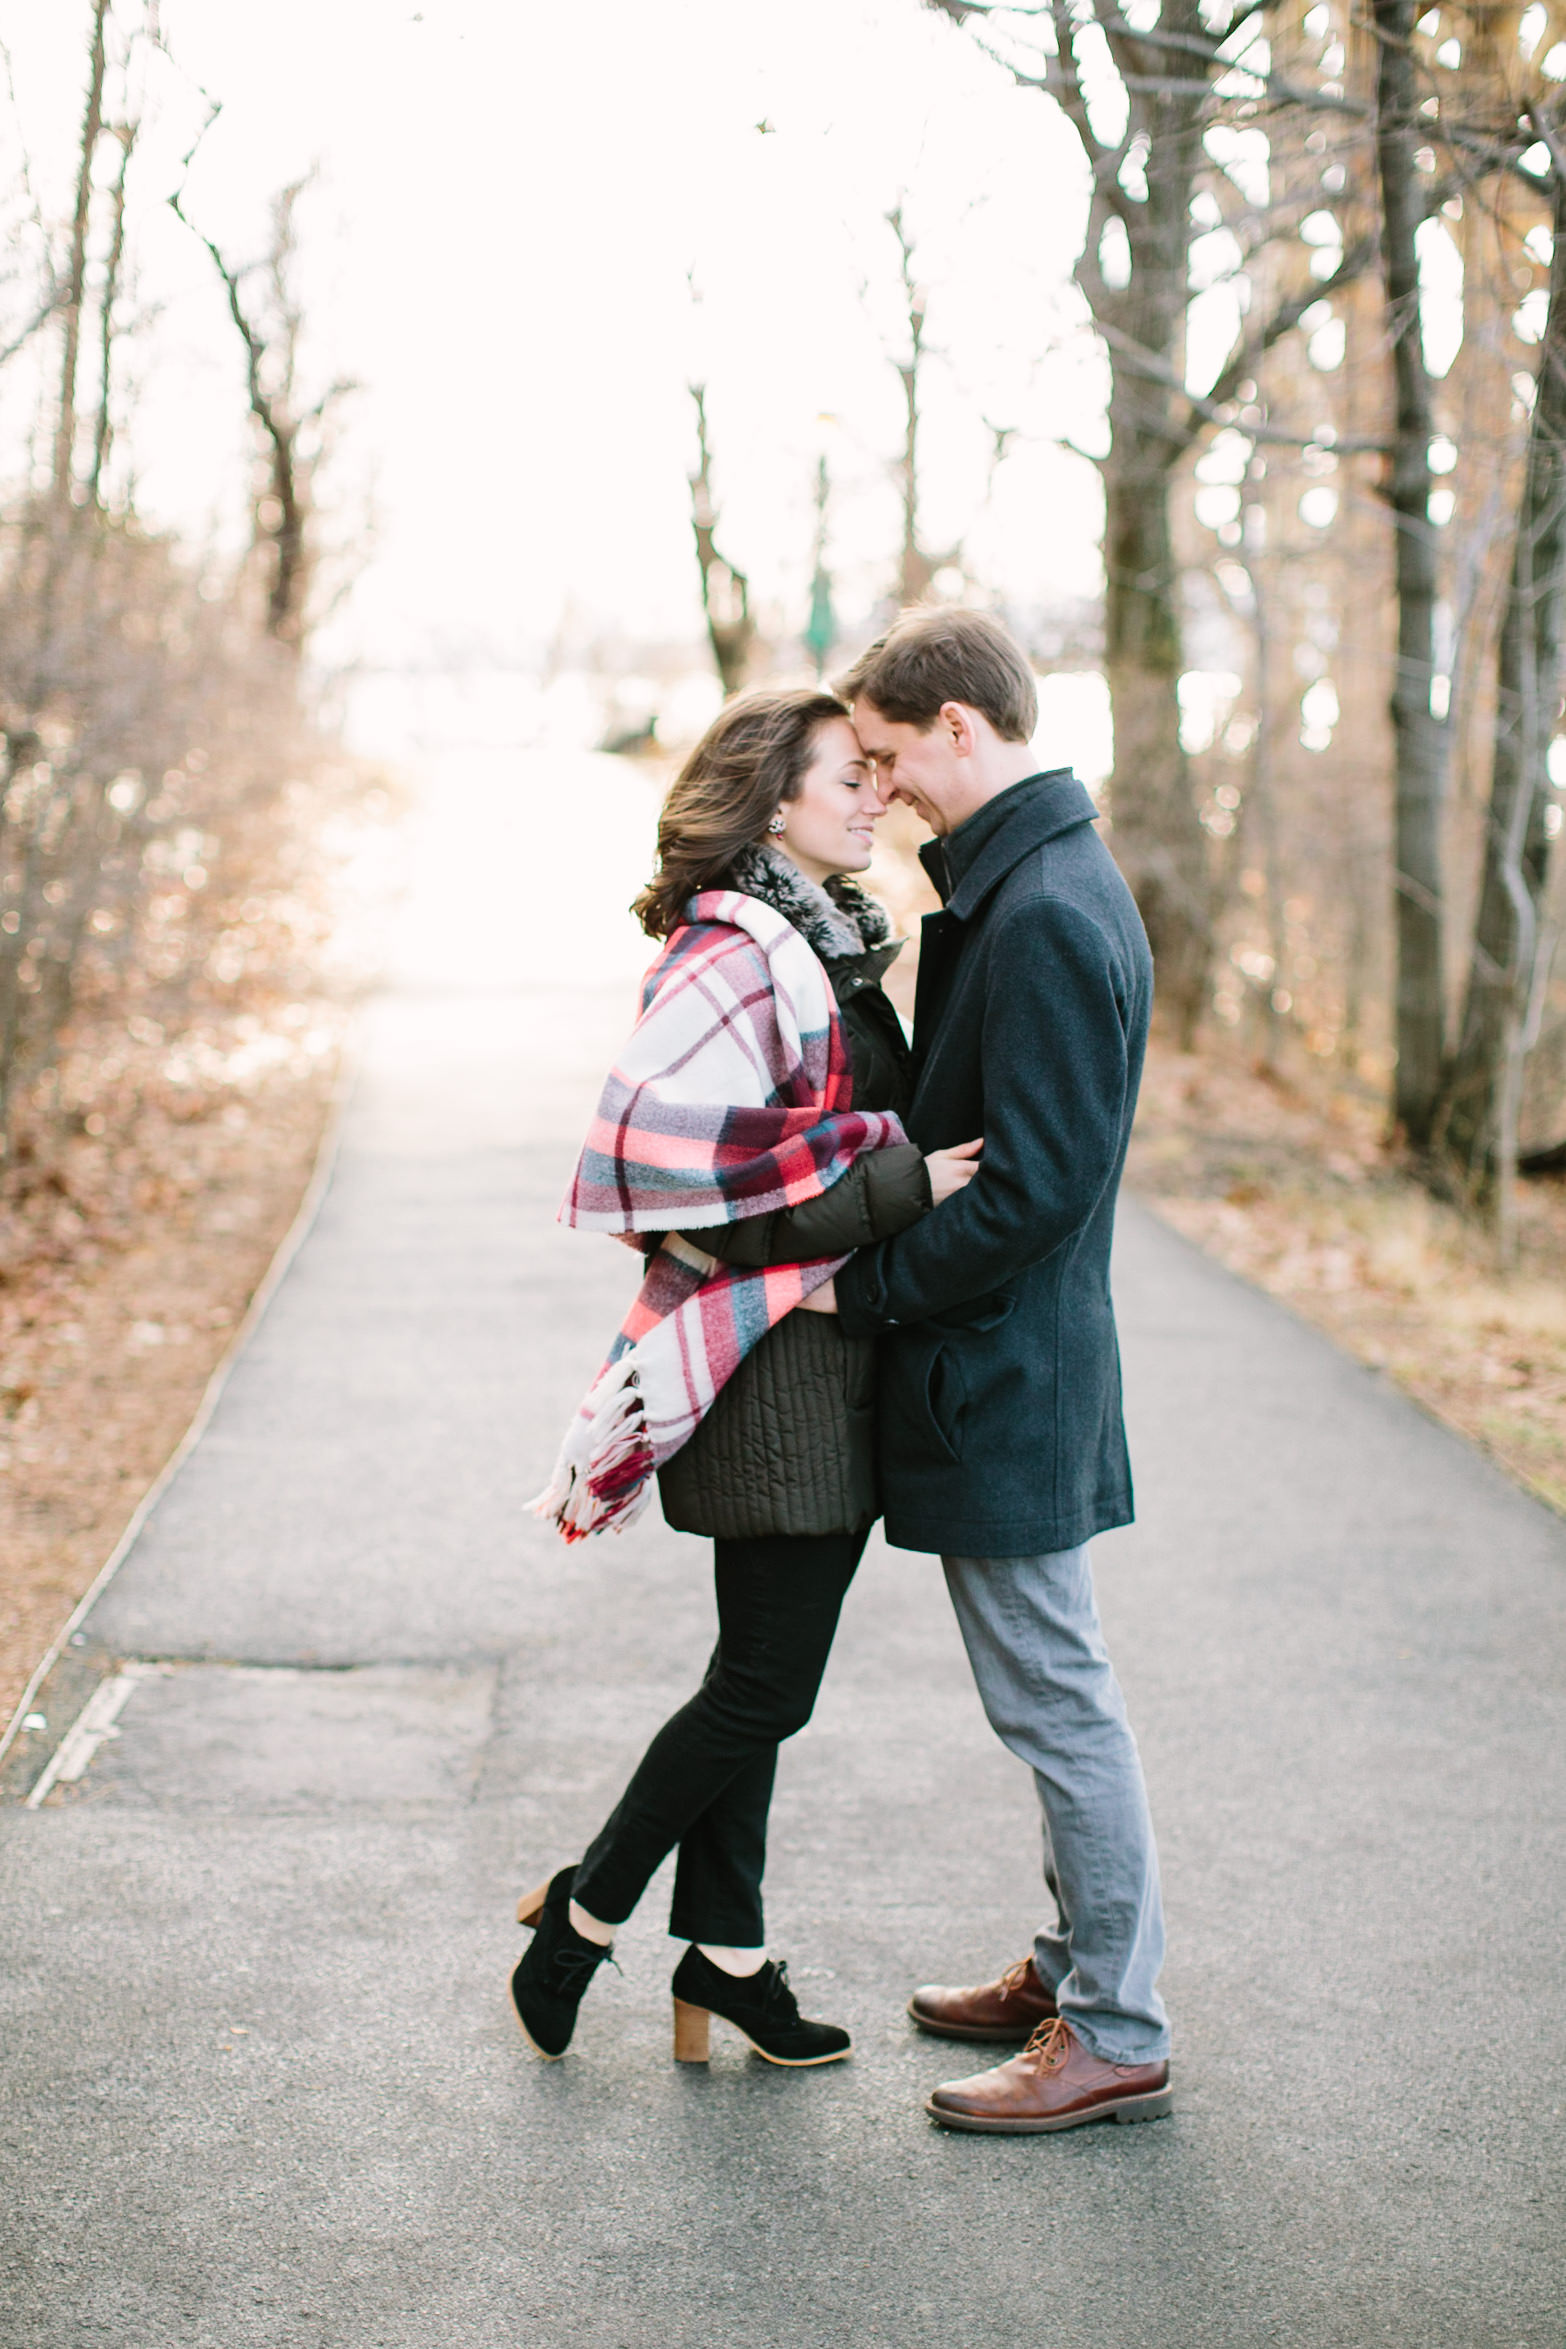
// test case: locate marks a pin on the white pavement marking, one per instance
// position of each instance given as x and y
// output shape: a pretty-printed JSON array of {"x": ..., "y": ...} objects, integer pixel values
[{"x": 93, "y": 1724}]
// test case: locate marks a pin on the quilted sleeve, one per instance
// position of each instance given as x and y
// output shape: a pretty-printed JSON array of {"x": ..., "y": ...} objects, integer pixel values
[{"x": 883, "y": 1192}]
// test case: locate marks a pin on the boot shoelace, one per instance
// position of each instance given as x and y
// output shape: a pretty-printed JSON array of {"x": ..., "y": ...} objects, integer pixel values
[
  {"x": 777, "y": 2000},
  {"x": 1017, "y": 1977},
  {"x": 1050, "y": 2045},
  {"x": 573, "y": 1969}
]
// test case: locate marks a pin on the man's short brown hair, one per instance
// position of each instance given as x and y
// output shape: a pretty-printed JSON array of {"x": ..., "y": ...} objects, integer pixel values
[{"x": 930, "y": 656}]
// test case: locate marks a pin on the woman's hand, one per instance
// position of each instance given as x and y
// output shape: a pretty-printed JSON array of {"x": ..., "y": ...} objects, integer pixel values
[
  {"x": 822, "y": 1300},
  {"x": 952, "y": 1170}
]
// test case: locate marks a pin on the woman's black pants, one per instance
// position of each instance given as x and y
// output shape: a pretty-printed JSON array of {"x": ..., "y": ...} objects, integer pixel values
[{"x": 705, "y": 1782}]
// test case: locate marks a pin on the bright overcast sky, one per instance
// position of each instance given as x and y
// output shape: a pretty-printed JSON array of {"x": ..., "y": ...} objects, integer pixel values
[{"x": 514, "y": 199}]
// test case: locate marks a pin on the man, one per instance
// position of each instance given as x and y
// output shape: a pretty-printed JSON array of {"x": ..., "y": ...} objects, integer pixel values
[{"x": 1001, "y": 1436}]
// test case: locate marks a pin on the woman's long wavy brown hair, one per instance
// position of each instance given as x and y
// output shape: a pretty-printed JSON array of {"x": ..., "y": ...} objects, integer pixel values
[{"x": 752, "y": 759}]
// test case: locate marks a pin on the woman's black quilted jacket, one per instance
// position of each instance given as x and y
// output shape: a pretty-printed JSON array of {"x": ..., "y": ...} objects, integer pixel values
[{"x": 788, "y": 1447}]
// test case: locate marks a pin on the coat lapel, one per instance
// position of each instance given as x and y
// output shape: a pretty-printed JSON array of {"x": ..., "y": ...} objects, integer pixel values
[
  {"x": 940, "y": 948},
  {"x": 1009, "y": 829}
]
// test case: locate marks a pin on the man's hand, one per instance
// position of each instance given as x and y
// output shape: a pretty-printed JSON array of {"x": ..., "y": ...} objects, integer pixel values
[
  {"x": 951, "y": 1171},
  {"x": 822, "y": 1300}
]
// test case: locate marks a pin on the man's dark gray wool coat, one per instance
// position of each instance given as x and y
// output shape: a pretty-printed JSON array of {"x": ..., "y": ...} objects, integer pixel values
[{"x": 999, "y": 1408}]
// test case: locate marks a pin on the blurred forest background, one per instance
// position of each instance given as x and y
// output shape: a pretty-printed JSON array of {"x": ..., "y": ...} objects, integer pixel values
[{"x": 521, "y": 383}]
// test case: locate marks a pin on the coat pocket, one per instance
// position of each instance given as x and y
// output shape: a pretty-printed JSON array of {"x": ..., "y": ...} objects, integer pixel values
[
  {"x": 946, "y": 1400},
  {"x": 923, "y": 1399},
  {"x": 978, "y": 1314}
]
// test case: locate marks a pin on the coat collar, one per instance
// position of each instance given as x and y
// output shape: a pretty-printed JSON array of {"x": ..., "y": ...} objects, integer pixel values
[
  {"x": 976, "y": 858},
  {"x": 840, "y": 921}
]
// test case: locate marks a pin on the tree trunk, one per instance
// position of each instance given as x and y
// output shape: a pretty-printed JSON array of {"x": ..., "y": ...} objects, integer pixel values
[
  {"x": 76, "y": 274},
  {"x": 725, "y": 592},
  {"x": 821, "y": 628},
  {"x": 1480, "y": 1134},
  {"x": 1170, "y": 71},
  {"x": 914, "y": 568},
  {"x": 917, "y": 564},
  {"x": 1260, "y": 809},
  {"x": 103, "y": 431},
  {"x": 1158, "y": 842},
  {"x": 285, "y": 601},
  {"x": 1420, "y": 740}
]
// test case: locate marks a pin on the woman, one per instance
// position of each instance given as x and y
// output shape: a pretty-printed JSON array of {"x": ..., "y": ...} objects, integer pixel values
[{"x": 748, "y": 1139}]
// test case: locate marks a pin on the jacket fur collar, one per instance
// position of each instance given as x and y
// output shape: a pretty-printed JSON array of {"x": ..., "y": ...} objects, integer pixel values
[{"x": 836, "y": 922}]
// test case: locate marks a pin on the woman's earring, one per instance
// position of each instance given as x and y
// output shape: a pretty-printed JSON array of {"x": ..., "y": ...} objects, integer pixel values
[{"x": 777, "y": 825}]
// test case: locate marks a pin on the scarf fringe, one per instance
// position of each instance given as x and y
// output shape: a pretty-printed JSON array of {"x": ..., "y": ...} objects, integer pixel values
[{"x": 602, "y": 1480}]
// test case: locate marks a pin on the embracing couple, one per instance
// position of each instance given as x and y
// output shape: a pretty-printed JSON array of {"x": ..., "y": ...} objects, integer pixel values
[{"x": 876, "y": 1278}]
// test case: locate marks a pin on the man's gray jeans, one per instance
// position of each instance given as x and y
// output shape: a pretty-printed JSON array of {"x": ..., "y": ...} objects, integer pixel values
[{"x": 1032, "y": 1634}]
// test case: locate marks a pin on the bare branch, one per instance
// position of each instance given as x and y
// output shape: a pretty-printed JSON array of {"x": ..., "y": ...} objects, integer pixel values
[
  {"x": 1254, "y": 348},
  {"x": 50, "y": 300},
  {"x": 1540, "y": 121},
  {"x": 1138, "y": 360},
  {"x": 40, "y": 317}
]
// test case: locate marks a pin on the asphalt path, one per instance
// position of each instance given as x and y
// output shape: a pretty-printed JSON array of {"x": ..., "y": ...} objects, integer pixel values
[{"x": 263, "y": 2082}]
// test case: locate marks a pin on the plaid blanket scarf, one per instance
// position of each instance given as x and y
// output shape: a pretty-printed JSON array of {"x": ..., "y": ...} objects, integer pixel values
[{"x": 731, "y": 1098}]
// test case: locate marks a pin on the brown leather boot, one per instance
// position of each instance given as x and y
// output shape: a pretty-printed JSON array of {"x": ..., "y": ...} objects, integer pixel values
[
  {"x": 1011, "y": 2008},
  {"x": 1053, "y": 2084}
]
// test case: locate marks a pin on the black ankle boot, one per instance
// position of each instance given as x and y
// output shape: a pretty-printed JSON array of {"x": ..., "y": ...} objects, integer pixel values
[
  {"x": 761, "y": 2005},
  {"x": 551, "y": 1980}
]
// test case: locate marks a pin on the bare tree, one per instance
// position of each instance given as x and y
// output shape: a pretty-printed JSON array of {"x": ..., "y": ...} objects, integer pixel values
[
  {"x": 1419, "y": 735},
  {"x": 1509, "y": 967},
  {"x": 917, "y": 564},
  {"x": 265, "y": 306},
  {"x": 145, "y": 741},
  {"x": 725, "y": 591},
  {"x": 1374, "y": 506},
  {"x": 48, "y": 804},
  {"x": 1134, "y": 275}
]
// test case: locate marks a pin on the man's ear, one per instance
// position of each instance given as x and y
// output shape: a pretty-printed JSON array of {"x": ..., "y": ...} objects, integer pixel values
[{"x": 959, "y": 725}]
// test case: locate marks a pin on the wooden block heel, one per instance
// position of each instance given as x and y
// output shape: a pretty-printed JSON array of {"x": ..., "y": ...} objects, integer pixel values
[
  {"x": 692, "y": 2033},
  {"x": 760, "y": 2006},
  {"x": 531, "y": 1906}
]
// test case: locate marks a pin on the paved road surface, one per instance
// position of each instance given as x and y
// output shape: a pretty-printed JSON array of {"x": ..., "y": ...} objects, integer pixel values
[{"x": 264, "y": 2085}]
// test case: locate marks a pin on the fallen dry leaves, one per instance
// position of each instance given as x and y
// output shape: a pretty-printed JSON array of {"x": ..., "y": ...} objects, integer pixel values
[
  {"x": 127, "y": 1277},
  {"x": 1287, "y": 1180},
  {"x": 137, "y": 1221}
]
